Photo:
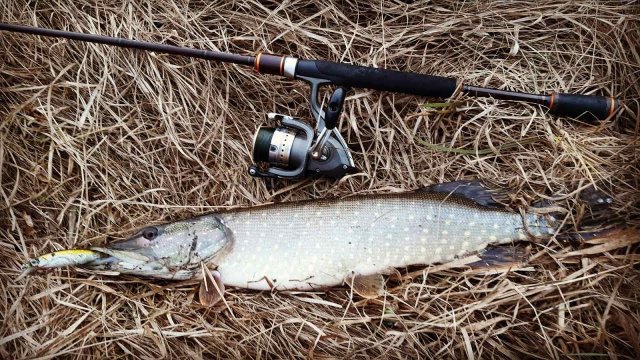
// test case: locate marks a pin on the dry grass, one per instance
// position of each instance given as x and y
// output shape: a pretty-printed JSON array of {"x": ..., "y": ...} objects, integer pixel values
[{"x": 97, "y": 140}]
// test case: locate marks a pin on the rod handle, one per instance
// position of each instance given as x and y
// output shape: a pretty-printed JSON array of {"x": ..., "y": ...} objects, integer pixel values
[
  {"x": 584, "y": 107},
  {"x": 357, "y": 76}
]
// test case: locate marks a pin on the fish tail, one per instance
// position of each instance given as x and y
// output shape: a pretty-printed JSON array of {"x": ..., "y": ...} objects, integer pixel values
[
  {"x": 587, "y": 243},
  {"x": 602, "y": 235},
  {"x": 601, "y": 241},
  {"x": 597, "y": 223},
  {"x": 541, "y": 227}
]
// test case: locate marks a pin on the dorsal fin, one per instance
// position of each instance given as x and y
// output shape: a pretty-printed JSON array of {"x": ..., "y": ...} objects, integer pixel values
[{"x": 470, "y": 189}]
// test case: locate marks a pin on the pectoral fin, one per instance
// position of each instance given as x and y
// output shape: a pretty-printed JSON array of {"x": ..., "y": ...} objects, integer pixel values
[
  {"x": 393, "y": 274},
  {"x": 368, "y": 286},
  {"x": 211, "y": 288}
]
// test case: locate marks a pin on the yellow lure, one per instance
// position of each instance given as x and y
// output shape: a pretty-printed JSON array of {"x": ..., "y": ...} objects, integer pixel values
[{"x": 60, "y": 258}]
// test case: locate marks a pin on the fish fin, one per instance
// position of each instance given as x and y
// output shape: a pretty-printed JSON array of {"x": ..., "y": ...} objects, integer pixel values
[
  {"x": 595, "y": 210},
  {"x": 501, "y": 257},
  {"x": 605, "y": 241},
  {"x": 211, "y": 288},
  {"x": 595, "y": 198},
  {"x": 368, "y": 286},
  {"x": 393, "y": 274},
  {"x": 470, "y": 189}
]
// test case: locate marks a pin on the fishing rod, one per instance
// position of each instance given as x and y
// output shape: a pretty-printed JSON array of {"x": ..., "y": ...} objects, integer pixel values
[{"x": 294, "y": 149}]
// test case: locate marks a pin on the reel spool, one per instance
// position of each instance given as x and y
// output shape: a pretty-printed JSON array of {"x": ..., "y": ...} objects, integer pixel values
[
  {"x": 294, "y": 150},
  {"x": 283, "y": 146}
]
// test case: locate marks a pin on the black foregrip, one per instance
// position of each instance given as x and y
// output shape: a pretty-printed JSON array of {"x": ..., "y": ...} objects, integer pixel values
[
  {"x": 378, "y": 79},
  {"x": 586, "y": 107}
]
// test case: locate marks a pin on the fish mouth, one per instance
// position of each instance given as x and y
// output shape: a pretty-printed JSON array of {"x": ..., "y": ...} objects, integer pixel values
[
  {"x": 117, "y": 260},
  {"x": 108, "y": 259},
  {"x": 132, "y": 262},
  {"x": 132, "y": 256}
]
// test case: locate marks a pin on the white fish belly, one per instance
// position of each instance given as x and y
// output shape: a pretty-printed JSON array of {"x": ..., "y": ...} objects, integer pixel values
[{"x": 313, "y": 245}]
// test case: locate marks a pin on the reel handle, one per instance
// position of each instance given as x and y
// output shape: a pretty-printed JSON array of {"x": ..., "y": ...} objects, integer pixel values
[
  {"x": 331, "y": 116},
  {"x": 334, "y": 109}
]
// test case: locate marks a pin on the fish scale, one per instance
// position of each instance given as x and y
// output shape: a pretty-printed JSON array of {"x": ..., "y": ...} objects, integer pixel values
[{"x": 316, "y": 244}]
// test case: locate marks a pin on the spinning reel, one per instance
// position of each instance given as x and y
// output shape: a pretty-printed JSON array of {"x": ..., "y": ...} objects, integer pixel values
[{"x": 294, "y": 150}]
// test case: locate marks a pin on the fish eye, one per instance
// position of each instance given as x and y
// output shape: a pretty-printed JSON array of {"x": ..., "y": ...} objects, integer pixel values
[
  {"x": 34, "y": 262},
  {"x": 150, "y": 233}
]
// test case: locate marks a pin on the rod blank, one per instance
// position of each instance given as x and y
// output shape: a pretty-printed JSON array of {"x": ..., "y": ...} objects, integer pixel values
[{"x": 133, "y": 44}]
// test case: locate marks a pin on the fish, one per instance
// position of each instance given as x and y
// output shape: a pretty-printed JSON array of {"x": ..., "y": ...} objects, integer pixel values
[{"x": 317, "y": 244}]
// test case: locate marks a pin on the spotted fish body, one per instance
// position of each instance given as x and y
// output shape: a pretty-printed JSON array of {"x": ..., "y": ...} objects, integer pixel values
[{"x": 317, "y": 244}]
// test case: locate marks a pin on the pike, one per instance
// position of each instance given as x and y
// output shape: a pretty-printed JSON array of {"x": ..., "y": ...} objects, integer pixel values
[{"x": 313, "y": 245}]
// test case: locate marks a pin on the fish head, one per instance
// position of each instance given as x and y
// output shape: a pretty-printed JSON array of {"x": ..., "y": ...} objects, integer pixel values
[{"x": 168, "y": 251}]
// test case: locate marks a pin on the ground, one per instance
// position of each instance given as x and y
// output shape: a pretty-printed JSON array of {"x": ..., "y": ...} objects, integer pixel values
[{"x": 98, "y": 141}]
